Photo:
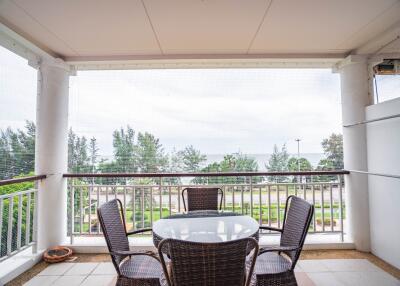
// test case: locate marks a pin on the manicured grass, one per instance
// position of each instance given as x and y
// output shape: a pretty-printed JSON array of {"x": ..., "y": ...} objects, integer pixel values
[{"x": 238, "y": 209}]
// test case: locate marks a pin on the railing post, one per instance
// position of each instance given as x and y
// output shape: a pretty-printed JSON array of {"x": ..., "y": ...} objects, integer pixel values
[
  {"x": 134, "y": 207},
  {"x": 143, "y": 205},
  {"x": 341, "y": 208},
  {"x": 1, "y": 225},
  {"x": 269, "y": 205},
  {"x": 27, "y": 220},
  {"x": 19, "y": 222},
  {"x": 315, "y": 214},
  {"x": 251, "y": 196},
  {"x": 10, "y": 224},
  {"x": 35, "y": 219},
  {"x": 278, "y": 205},
  {"x": 72, "y": 206},
  {"x": 90, "y": 188},
  {"x": 160, "y": 188},
  {"x": 260, "y": 206}
]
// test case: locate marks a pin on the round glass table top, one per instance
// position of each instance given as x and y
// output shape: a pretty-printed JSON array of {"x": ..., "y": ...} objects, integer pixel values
[{"x": 206, "y": 229}]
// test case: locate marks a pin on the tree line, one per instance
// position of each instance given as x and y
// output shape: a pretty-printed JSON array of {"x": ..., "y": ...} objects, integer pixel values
[
  {"x": 280, "y": 160},
  {"x": 142, "y": 152}
]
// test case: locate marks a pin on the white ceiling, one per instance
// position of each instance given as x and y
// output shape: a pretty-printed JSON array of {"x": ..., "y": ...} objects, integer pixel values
[{"x": 84, "y": 29}]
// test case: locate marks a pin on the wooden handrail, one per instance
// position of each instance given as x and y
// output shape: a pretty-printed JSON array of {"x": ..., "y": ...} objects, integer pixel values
[
  {"x": 22, "y": 180},
  {"x": 206, "y": 174}
]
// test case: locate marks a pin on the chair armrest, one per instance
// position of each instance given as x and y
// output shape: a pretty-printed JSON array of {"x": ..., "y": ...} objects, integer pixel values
[
  {"x": 139, "y": 231},
  {"x": 270, "y": 228},
  {"x": 277, "y": 248},
  {"x": 133, "y": 253}
]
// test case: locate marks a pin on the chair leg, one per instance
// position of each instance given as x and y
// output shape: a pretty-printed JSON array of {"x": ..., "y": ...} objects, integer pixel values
[
  {"x": 123, "y": 281},
  {"x": 281, "y": 279}
]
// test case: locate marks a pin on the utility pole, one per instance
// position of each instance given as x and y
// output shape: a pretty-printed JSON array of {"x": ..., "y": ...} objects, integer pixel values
[{"x": 298, "y": 157}]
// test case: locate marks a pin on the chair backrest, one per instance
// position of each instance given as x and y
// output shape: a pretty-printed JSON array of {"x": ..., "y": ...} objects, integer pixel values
[
  {"x": 297, "y": 219},
  {"x": 113, "y": 225},
  {"x": 202, "y": 199},
  {"x": 195, "y": 263}
]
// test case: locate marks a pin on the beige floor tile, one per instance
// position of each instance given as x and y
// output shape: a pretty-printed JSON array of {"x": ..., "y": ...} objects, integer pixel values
[
  {"x": 82, "y": 269},
  {"x": 349, "y": 265},
  {"x": 69, "y": 280},
  {"x": 312, "y": 266},
  {"x": 99, "y": 280},
  {"x": 375, "y": 278},
  {"x": 41, "y": 280},
  {"x": 104, "y": 268},
  {"x": 57, "y": 269},
  {"x": 324, "y": 279},
  {"x": 303, "y": 279}
]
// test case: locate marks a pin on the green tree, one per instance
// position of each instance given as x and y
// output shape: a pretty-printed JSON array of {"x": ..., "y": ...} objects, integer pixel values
[
  {"x": 150, "y": 154},
  {"x": 325, "y": 165},
  {"x": 124, "y": 150},
  {"x": 175, "y": 165},
  {"x": 104, "y": 166},
  {"x": 6, "y": 158},
  {"x": 278, "y": 162},
  {"x": 191, "y": 159},
  {"x": 333, "y": 149},
  {"x": 78, "y": 158},
  {"x": 17, "y": 151},
  {"x": 236, "y": 162},
  {"x": 293, "y": 166},
  {"x": 93, "y": 153}
]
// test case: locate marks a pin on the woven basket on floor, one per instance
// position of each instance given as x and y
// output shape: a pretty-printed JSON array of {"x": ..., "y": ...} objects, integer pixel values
[{"x": 57, "y": 254}]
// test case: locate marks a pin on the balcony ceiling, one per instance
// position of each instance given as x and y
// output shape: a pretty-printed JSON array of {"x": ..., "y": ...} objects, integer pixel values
[{"x": 78, "y": 30}]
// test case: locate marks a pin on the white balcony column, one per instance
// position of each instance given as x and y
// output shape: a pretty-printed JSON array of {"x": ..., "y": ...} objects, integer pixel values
[
  {"x": 52, "y": 151},
  {"x": 355, "y": 94}
]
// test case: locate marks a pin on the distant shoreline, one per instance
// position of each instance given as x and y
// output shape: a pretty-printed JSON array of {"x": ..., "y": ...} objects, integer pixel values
[{"x": 262, "y": 159}]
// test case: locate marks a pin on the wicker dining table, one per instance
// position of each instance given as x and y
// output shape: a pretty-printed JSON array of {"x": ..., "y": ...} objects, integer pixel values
[{"x": 205, "y": 226}]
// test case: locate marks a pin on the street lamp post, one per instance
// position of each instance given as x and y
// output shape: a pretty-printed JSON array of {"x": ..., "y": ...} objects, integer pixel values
[{"x": 298, "y": 157}]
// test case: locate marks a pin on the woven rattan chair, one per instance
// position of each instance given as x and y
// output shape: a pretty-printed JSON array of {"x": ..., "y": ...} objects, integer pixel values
[
  {"x": 202, "y": 199},
  {"x": 275, "y": 265},
  {"x": 203, "y": 264},
  {"x": 134, "y": 268}
]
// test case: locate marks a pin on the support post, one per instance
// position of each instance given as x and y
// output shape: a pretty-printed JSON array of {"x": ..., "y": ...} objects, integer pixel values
[
  {"x": 354, "y": 77},
  {"x": 52, "y": 152}
]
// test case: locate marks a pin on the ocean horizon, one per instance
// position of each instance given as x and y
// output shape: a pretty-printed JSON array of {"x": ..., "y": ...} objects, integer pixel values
[{"x": 262, "y": 159}]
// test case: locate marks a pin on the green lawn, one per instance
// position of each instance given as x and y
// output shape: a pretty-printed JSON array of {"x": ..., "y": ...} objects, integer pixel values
[{"x": 246, "y": 210}]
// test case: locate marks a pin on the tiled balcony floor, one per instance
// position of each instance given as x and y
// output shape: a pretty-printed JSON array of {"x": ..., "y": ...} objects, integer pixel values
[
  {"x": 330, "y": 268},
  {"x": 309, "y": 272}
]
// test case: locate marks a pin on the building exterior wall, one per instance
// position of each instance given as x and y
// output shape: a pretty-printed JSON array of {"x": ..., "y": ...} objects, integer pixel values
[{"x": 383, "y": 141}]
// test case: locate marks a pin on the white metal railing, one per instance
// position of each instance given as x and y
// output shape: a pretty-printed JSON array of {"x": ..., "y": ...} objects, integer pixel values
[
  {"x": 263, "y": 200},
  {"x": 18, "y": 219}
]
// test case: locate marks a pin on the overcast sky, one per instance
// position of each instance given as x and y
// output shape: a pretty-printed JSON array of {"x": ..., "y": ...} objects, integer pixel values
[{"x": 217, "y": 111}]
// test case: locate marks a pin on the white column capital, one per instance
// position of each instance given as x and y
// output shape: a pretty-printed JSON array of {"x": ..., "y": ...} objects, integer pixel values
[
  {"x": 349, "y": 60},
  {"x": 56, "y": 63}
]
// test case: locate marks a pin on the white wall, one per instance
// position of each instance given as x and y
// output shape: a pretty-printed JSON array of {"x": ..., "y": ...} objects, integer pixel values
[{"x": 383, "y": 142}]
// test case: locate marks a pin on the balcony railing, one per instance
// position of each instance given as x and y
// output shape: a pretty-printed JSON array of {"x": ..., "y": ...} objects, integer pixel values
[
  {"x": 149, "y": 197},
  {"x": 18, "y": 218}
]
